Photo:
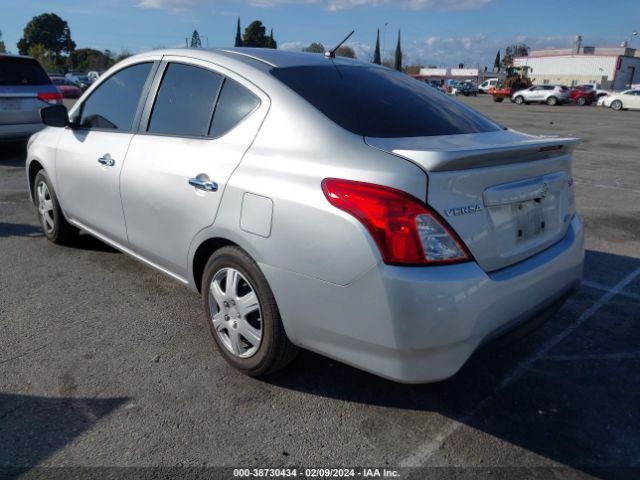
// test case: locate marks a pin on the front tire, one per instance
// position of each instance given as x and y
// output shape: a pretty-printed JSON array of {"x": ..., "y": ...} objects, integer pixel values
[
  {"x": 552, "y": 101},
  {"x": 581, "y": 101},
  {"x": 242, "y": 314},
  {"x": 616, "y": 105},
  {"x": 54, "y": 225}
]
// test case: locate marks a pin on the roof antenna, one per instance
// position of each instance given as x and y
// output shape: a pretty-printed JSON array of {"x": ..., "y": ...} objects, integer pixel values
[{"x": 332, "y": 53}]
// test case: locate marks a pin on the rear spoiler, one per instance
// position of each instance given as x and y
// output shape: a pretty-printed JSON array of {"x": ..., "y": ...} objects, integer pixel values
[{"x": 462, "y": 152}]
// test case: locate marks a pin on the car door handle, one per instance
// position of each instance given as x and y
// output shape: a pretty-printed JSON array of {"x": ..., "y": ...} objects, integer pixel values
[
  {"x": 106, "y": 160},
  {"x": 206, "y": 185}
]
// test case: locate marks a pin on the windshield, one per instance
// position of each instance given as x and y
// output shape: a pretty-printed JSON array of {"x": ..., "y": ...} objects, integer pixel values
[{"x": 379, "y": 102}]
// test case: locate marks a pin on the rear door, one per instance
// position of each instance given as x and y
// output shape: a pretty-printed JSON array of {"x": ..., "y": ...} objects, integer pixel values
[
  {"x": 193, "y": 135},
  {"x": 90, "y": 156}
]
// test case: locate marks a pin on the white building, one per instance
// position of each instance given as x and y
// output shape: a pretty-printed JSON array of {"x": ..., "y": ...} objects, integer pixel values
[
  {"x": 458, "y": 74},
  {"x": 613, "y": 68}
]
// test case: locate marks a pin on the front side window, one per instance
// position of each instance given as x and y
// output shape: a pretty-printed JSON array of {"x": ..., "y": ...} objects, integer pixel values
[
  {"x": 113, "y": 105},
  {"x": 185, "y": 101}
]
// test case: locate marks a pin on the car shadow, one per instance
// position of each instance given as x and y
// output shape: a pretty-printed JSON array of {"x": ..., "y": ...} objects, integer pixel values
[
  {"x": 13, "y": 154},
  {"x": 19, "y": 230},
  {"x": 57, "y": 421},
  {"x": 577, "y": 404}
]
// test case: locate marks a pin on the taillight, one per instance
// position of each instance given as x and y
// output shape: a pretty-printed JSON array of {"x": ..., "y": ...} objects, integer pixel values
[
  {"x": 52, "y": 98},
  {"x": 406, "y": 230}
]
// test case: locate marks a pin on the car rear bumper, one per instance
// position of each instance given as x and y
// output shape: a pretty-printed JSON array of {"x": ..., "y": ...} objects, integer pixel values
[
  {"x": 19, "y": 132},
  {"x": 419, "y": 325}
]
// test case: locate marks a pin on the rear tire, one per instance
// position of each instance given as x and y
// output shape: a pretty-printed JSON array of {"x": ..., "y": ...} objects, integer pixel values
[
  {"x": 243, "y": 316},
  {"x": 519, "y": 100},
  {"x": 552, "y": 101},
  {"x": 581, "y": 101},
  {"x": 616, "y": 105},
  {"x": 498, "y": 99},
  {"x": 54, "y": 225}
]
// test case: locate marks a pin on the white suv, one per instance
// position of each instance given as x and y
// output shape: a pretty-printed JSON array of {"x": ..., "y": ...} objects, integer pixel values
[{"x": 549, "y": 94}]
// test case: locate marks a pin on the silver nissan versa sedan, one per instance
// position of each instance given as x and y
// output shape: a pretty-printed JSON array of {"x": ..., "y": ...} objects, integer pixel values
[{"x": 315, "y": 202}]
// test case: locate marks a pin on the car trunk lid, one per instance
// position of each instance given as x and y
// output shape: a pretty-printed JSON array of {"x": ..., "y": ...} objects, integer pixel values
[{"x": 507, "y": 195}]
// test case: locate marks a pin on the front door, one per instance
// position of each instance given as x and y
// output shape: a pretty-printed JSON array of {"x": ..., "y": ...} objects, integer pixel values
[
  {"x": 90, "y": 155},
  {"x": 199, "y": 126}
]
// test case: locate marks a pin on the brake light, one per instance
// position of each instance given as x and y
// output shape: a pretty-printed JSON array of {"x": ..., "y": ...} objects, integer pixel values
[
  {"x": 52, "y": 98},
  {"x": 406, "y": 230}
]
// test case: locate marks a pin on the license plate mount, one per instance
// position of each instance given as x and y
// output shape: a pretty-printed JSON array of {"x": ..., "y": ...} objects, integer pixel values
[{"x": 530, "y": 219}]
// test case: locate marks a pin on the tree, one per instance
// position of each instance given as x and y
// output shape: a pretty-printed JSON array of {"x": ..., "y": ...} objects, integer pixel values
[
  {"x": 496, "y": 63},
  {"x": 376, "y": 54},
  {"x": 3, "y": 48},
  {"x": 271, "y": 41},
  {"x": 398, "y": 60},
  {"x": 238, "y": 36},
  {"x": 314, "y": 47},
  {"x": 48, "y": 30},
  {"x": 255, "y": 35},
  {"x": 45, "y": 57},
  {"x": 512, "y": 51},
  {"x": 87, "y": 59},
  {"x": 346, "y": 51},
  {"x": 195, "y": 40}
]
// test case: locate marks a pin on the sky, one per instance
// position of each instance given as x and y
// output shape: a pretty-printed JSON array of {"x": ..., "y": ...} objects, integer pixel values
[{"x": 433, "y": 32}]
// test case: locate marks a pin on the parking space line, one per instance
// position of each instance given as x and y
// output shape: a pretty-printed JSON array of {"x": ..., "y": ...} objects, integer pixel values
[
  {"x": 425, "y": 451},
  {"x": 599, "y": 286},
  {"x": 611, "y": 187}
]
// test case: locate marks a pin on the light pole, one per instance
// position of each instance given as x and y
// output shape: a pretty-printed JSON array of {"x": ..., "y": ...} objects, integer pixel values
[{"x": 633, "y": 34}]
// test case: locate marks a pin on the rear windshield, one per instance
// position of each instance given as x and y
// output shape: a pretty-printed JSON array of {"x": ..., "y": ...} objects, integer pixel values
[
  {"x": 21, "y": 71},
  {"x": 379, "y": 102}
]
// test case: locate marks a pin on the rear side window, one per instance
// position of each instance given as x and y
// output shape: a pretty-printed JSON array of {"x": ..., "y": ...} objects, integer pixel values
[
  {"x": 113, "y": 105},
  {"x": 379, "y": 102},
  {"x": 234, "y": 104},
  {"x": 185, "y": 101},
  {"x": 21, "y": 71}
]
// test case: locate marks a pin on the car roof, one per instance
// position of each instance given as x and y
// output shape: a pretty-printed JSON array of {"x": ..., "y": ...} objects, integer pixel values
[{"x": 267, "y": 57}]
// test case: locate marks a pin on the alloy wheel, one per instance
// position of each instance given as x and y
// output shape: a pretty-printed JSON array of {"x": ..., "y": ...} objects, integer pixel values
[{"x": 45, "y": 207}]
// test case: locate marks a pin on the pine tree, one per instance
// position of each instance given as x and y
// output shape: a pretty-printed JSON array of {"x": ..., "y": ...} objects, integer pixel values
[
  {"x": 398, "y": 60},
  {"x": 271, "y": 42},
  {"x": 195, "y": 40},
  {"x": 238, "y": 36},
  {"x": 496, "y": 64},
  {"x": 376, "y": 54}
]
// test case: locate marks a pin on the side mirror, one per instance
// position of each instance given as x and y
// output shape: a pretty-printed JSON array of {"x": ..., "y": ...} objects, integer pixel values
[{"x": 55, "y": 116}]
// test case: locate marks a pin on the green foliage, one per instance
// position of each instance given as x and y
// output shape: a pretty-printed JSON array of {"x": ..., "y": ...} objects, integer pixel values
[
  {"x": 45, "y": 57},
  {"x": 255, "y": 36},
  {"x": 3, "y": 48},
  {"x": 496, "y": 63},
  {"x": 398, "y": 58},
  {"x": 88, "y": 59},
  {"x": 345, "y": 51},
  {"x": 48, "y": 30},
  {"x": 376, "y": 54},
  {"x": 518, "y": 50},
  {"x": 238, "y": 42},
  {"x": 314, "y": 47},
  {"x": 195, "y": 40}
]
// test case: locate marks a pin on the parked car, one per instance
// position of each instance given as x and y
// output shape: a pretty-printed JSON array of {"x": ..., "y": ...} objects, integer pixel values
[
  {"x": 24, "y": 89},
  {"x": 82, "y": 80},
  {"x": 466, "y": 89},
  {"x": 365, "y": 217},
  {"x": 67, "y": 88},
  {"x": 549, "y": 94},
  {"x": 582, "y": 95},
  {"x": 487, "y": 85},
  {"x": 629, "y": 99},
  {"x": 599, "y": 92}
]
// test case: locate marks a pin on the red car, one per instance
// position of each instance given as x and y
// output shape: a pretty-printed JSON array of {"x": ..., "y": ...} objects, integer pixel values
[
  {"x": 582, "y": 96},
  {"x": 67, "y": 88}
]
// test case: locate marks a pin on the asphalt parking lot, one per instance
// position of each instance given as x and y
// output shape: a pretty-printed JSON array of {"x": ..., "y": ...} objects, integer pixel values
[{"x": 104, "y": 362}]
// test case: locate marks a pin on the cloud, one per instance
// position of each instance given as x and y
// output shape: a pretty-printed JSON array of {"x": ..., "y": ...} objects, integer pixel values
[{"x": 331, "y": 5}]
